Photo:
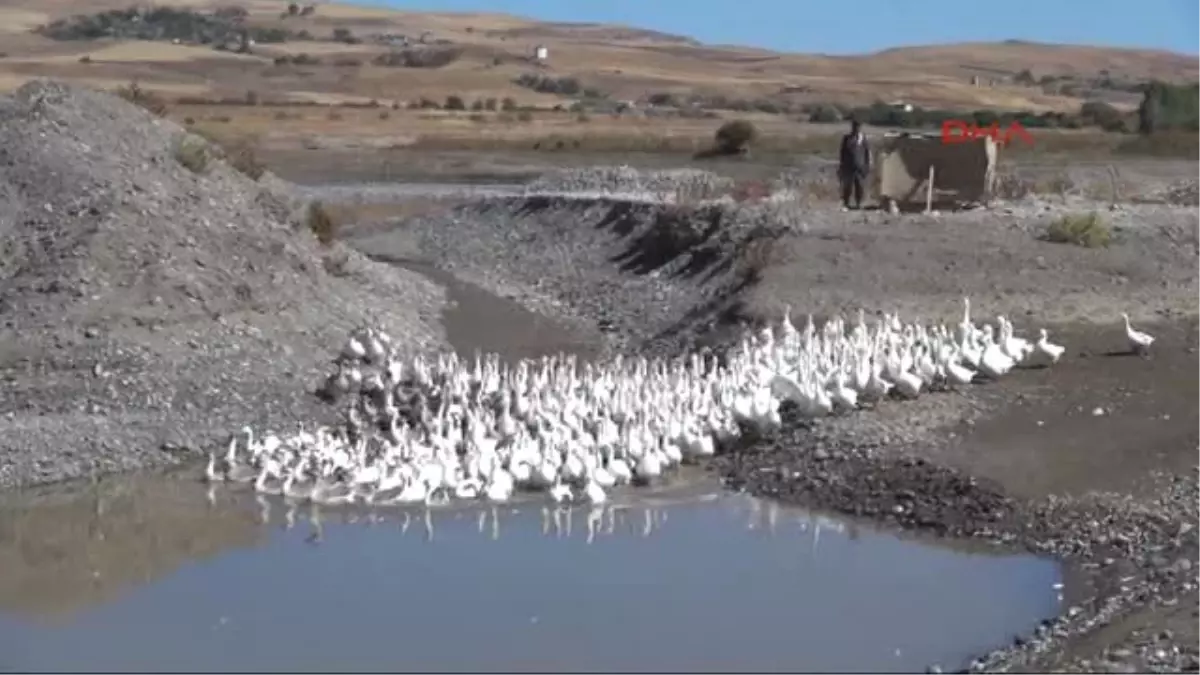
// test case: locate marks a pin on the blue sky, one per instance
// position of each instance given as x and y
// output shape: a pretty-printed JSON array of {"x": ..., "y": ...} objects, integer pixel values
[{"x": 831, "y": 27}]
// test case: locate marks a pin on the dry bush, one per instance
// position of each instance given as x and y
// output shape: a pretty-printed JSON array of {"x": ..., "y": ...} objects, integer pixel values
[
  {"x": 422, "y": 57},
  {"x": 754, "y": 256},
  {"x": 1014, "y": 187},
  {"x": 750, "y": 191},
  {"x": 194, "y": 153},
  {"x": 1011, "y": 187},
  {"x": 321, "y": 223},
  {"x": 1088, "y": 230},
  {"x": 242, "y": 154},
  {"x": 805, "y": 186},
  {"x": 1058, "y": 184},
  {"x": 148, "y": 100},
  {"x": 732, "y": 138},
  {"x": 735, "y": 136},
  {"x": 703, "y": 189}
]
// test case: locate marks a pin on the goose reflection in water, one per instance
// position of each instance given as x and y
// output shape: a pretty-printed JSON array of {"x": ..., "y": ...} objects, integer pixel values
[{"x": 600, "y": 520}]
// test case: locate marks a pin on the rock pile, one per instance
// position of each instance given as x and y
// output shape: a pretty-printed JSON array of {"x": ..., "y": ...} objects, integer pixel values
[{"x": 140, "y": 297}]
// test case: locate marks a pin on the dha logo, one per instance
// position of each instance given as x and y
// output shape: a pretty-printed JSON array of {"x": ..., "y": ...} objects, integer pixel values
[{"x": 960, "y": 131}]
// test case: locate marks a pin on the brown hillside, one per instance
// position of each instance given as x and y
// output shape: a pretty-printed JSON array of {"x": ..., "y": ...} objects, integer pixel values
[{"x": 623, "y": 62}]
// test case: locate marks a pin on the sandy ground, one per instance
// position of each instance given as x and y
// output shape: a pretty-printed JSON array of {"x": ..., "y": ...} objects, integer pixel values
[{"x": 1093, "y": 460}]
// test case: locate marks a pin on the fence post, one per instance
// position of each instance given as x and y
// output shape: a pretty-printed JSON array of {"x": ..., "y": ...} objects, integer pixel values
[{"x": 929, "y": 191}]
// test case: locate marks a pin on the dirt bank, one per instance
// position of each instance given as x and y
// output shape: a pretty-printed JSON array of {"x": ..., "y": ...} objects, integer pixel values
[
  {"x": 148, "y": 308},
  {"x": 1027, "y": 462}
]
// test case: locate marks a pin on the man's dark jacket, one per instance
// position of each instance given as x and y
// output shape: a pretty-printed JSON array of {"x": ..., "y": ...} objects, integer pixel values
[{"x": 854, "y": 158}]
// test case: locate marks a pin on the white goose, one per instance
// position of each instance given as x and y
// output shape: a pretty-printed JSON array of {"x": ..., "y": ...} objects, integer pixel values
[
  {"x": 1139, "y": 342},
  {"x": 1046, "y": 349}
]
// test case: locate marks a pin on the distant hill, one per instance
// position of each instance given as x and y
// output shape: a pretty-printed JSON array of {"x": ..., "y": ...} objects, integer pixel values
[{"x": 343, "y": 52}]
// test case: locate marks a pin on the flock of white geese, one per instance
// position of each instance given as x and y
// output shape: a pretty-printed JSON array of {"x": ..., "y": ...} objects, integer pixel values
[{"x": 423, "y": 430}]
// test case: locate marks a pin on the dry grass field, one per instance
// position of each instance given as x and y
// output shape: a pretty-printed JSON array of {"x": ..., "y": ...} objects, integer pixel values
[
  {"x": 625, "y": 64},
  {"x": 374, "y": 130}
]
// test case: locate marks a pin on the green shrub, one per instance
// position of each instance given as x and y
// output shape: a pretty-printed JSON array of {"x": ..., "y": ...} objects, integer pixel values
[
  {"x": 1087, "y": 230},
  {"x": 193, "y": 153}
]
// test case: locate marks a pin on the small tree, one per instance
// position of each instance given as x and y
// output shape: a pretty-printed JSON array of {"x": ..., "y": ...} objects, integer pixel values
[
  {"x": 735, "y": 137},
  {"x": 824, "y": 114},
  {"x": 1150, "y": 110},
  {"x": 455, "y": 103},
  {"x": 293, "y": 9}
]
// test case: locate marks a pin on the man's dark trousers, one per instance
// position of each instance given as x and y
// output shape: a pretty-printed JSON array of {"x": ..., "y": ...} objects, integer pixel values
[{"x": 852, "y": 184}]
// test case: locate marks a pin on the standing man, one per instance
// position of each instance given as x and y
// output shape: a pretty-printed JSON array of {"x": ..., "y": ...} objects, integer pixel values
[{"x": 854, "y": 165}]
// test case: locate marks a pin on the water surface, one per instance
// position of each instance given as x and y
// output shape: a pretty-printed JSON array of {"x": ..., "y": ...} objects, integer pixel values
[{"x": 693, "y": 580}]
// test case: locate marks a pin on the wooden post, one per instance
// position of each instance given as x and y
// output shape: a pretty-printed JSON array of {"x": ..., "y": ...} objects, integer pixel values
[{"x": 929, "y": 191}]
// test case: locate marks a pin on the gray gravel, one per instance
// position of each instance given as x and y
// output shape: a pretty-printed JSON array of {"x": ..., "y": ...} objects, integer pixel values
[
  {"x": 529, "y": 247},
  {"x": 146, "y": 310},
  {"x": 626, "y": 179}
]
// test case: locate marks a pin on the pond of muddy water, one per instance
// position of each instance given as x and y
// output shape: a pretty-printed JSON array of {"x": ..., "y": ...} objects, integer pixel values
[{"x": 142, "y": 574}]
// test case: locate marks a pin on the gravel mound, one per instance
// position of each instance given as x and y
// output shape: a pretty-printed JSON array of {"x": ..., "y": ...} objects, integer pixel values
[
  {"x": 656, "y": 277},
  {"x": 628, "y": 180},
  {"x": 145, "y": 306}
]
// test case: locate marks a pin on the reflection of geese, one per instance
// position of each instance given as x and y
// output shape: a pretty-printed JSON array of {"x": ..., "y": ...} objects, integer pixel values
[
  {"x": 647, "y": 522},
  {"x": 210, "y": 496},
  {"x": 428, "y": 525},
  {"x": 559, "y": 512},
  {"x": 318, "y": 530},
  {"x": 481, "y": 521},
  {"x": 594, "y": 517},
  {"x": 545, "y": 521},
  {"x": 405, "y": 522},
  {"x": 772, "y": 517},
  {"x": 495, "y": 524},
  {"x": 264, "y": 509},
  {"x": 755, "y": 512},
  {"x": 95, "y": 526},
  {"x": 290, "y": 516}
]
